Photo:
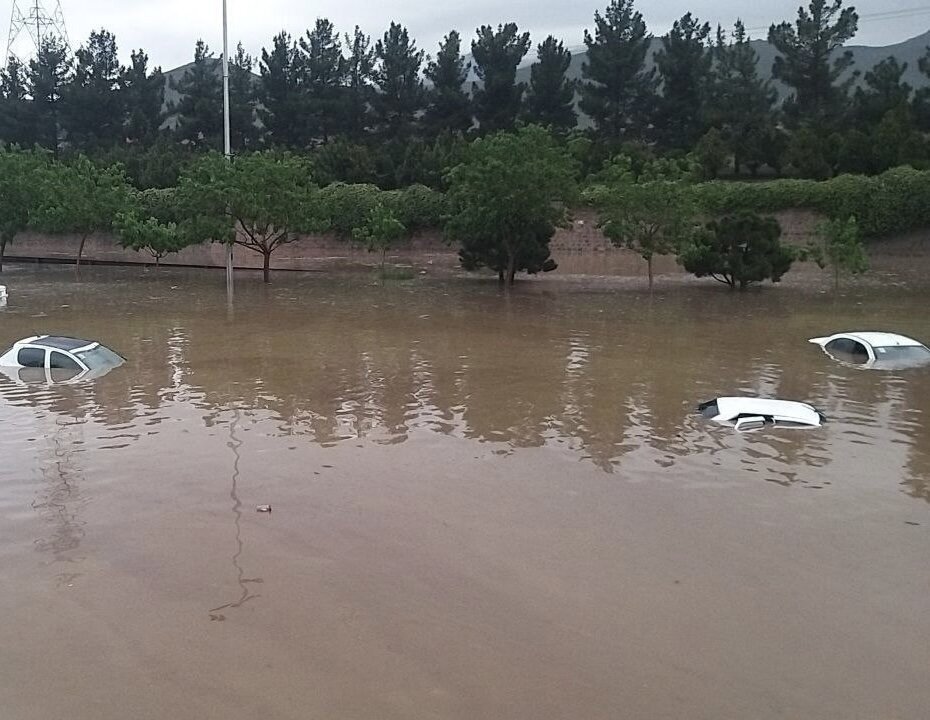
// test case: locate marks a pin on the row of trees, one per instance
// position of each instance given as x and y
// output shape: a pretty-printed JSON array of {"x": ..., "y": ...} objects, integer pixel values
[
  {"x": 387, "y": 112},
  {"x": 507, "y": 196}
]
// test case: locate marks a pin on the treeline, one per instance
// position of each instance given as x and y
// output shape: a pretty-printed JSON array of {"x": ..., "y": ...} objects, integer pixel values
[{"x": 385, "y": 112}]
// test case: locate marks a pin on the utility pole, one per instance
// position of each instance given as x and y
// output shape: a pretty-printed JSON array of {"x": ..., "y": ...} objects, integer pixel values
[
  {"x": 227, "y": 143},
  {"x": 31, "y": 25}
]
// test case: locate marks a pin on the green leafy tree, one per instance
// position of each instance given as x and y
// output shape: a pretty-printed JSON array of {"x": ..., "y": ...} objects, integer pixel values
[
  {"x": 550, "y": 100},
  {"x": 360, "y": 66},
  {"x": 884, "y": 90},
  {"x": 348, "y": 206},
  {"x": 506, "y": 199},
  {"x": 325, "y": 71},
  {"x": 840, "y": 248},
  {"x": 148, "y": 225},
  {"x": 811, "y": 61},
  {"x": 738, "y": 250},
  {"x": 497, "y": 53},
  {"x": 895, "y": 141},
  {"x": 93, "y": 106},
  {"x": 448, "y": 107},
  {"x": 741, "y": 103},
  {"x": 49, "y": 74},
  {"x": 807, "y": 154},
  {"x": 617, "y": 92},
  {"x": 144, "y": 98},
  {"x": 712, "y": 153},
  {"x": 20, "y": 189},
  {"x": 650, "y": 218},
  {"x": 684, "y": 64},
  {"x": 200, "y": 109},
  {"x": 397, "y": 77},
  {"x": 243, "y": 99},
  {"x": 17, "y": 119},
  {"x": 79, "y": 197},
  {"x": 259, "y": 201},
  {"x": 380, "y": 231},
  {"x": 282, "y": 93}
]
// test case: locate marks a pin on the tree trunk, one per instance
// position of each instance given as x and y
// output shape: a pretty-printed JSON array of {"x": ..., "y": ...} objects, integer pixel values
[
  {"x": 511, "y": 268},
  {"x": 836, "y": 278},
  {"x": 649, "y": 270},
  {"x": 2, "y": 250},
  {"x": 266, "y": 267},
  {"x": 500, "y": 276},
  {"x": 383, "y": 254},
  {"x": 81, "y": 249}
]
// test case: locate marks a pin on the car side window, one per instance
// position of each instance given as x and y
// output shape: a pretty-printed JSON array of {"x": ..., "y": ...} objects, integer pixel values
[
  {"x": 60, "y": 361},
  {"x": 848, "y": 350},
  {"x": 31, "y": 357}
]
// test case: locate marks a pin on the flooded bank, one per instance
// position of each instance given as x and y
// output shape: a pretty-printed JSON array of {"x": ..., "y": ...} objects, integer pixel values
[{"x": 484, "y": 505}]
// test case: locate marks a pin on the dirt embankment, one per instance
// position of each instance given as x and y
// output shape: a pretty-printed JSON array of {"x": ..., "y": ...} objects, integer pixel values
[{"x": 580, "y": 249}]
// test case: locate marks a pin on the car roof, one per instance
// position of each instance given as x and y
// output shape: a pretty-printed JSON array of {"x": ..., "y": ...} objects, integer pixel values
[
  {"x": 882, "y": 339},
  {"x": 59, "y": 342},
  {"x": 731, "y": 407}
]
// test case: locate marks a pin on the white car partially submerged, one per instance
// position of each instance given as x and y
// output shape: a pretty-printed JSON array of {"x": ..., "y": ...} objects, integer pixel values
[
  {"x": 746, "y": 414},
  {"x": 57, "y": 359},
  {"x": 874, "y": 349}
]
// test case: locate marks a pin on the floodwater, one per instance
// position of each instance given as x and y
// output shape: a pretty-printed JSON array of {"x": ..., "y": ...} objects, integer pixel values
[{"x": 484, "y": 505}]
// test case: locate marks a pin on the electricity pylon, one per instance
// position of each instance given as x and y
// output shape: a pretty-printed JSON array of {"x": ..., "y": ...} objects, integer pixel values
[{"x": 32, "y": 25}]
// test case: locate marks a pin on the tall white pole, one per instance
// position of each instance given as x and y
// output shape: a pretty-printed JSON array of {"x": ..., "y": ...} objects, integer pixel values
[{"x": 227, "y": 143}]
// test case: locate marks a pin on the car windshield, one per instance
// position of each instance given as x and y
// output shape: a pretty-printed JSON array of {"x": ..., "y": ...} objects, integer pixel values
[
  {"x": 99, "y": 357},
  {"x": 902, "y": 352}
]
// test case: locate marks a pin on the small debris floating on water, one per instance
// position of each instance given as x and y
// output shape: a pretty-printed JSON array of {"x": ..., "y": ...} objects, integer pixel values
[{"x": 263, "y": 508}]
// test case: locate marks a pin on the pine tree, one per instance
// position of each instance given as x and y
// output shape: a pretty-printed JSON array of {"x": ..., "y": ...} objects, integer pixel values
[
  {"x": 397, "y": 78},
  {"x": 884, "y": 90},
  {"x": 499, "y": 96},
  {"x": 282, "y": 92},
  {"x": 144, "y": 99},
  {"x": 617, "y": 92},
  {"x": 359, "y": 68},
  {"x": 684, "y": 65},
  {"x": 93, "y": 107},
  {"x": 200, "y": 109},
  {"x": 449, "y": 107},
  {"x": 324, "y": 68},
  {"x": 17, "y": 122},
  {"x": 741, "y": 102},
  {"x": 244, "y": 133},
  {"x": 810, "y": 62},
  {"x": 49, "y": 74},
  {"x": 550, "y": 100}
]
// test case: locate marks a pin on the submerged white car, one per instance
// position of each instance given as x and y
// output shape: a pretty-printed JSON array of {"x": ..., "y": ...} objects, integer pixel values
[
  {"x": 57, "y": 359},
  {"x": 874, "y": 349},
  {"x": 746, "y": 414}
]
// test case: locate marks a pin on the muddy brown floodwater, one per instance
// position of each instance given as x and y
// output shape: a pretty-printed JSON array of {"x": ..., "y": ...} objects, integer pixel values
[{"x": 483, "y": 506}]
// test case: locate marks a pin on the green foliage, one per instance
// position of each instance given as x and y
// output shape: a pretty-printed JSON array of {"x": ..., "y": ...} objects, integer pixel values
[
  {"x": 840, "y": 248},
  {"x": 448, "y": 105},
  {"x": 260, "y": 201},
  {"x": 894, "y": 202},
  {"x": 147, "y": 234},
  {"x": 811, "y": 60},
  {"x": 78, "y": 197},
  {"x": 20, "y": 189},
  {"x": 324, "y": 69},
  {"x": 93, "y": 103},
  {"x": 550, "y": 101},
  {"x": 884, "y": 90},
  {"x": 684, "y": 64},
  {"x": 712, "y": 154},
  {"x": 651, "y": 218},
  {"x": 738, "y": 250},
  {"x": 200, "y": 110},
  {"x": 243, "y": 97},
  {"x": 397, "y": 77},
  {"x": 348, "y": 206},
  {"x": 359, "y": 68},
  {"x": 380, "y": 230},
  {"x": 281, "y": 93},
  {"x": 497, "y": 53},
  {"x": 17, "y": 121},
  {"x": 417, "y": 207},
  {"x": 506, "y": 199},
  {"x": 143, "y": 97},
  {"x": 617, "y": 92},
  {"x": 48, "y": 76}
]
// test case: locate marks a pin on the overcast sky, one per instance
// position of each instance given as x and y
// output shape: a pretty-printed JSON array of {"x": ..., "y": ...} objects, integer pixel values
[{"x": 167, "y": 29}]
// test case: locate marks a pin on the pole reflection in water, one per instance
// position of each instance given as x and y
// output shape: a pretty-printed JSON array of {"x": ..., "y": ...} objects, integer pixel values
[{"x": 243, "y": 582}]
